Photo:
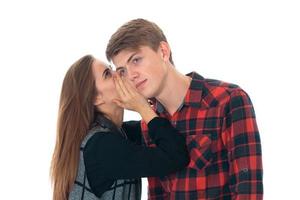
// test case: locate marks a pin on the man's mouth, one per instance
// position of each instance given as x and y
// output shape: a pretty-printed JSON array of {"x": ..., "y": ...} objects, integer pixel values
[{"x": 139, "y": 84}]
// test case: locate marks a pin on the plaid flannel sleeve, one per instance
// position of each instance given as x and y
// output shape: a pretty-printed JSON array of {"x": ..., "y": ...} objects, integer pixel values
[
  {"x": 155, "y": 189},
  {"x": 242, "y": 140}
]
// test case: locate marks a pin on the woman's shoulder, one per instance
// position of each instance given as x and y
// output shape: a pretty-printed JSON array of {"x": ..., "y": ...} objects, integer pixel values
[
  {"x": 101, "y": 141},
  {"x": 95, "y": 132}
]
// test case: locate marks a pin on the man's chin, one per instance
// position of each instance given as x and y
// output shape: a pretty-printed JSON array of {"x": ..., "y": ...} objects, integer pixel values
[{"x": 144, "y": 94}]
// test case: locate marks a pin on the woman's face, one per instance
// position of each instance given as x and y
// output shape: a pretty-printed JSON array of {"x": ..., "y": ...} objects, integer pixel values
[{"x": 106, "y": 91}]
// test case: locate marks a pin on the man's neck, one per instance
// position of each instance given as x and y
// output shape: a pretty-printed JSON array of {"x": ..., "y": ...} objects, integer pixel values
[{"x": 174, "y": 91}]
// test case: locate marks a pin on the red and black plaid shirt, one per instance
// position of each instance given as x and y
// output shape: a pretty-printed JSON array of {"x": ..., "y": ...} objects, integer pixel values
[{"x": 221, "y": 133}]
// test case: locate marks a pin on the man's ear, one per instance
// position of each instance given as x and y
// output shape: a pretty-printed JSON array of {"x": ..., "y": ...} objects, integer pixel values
[
  {"x": 165, "y": 50},
  {"x": 98, "y": 100}
]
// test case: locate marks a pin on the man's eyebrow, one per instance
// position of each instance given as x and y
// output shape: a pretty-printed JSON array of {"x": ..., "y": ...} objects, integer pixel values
[
  {"x": 128, "y": 60},
  {"x": 119, "y": 68}
]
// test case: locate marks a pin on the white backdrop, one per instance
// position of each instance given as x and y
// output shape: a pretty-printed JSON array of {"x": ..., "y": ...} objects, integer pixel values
[{"x": 254, "y": 44}]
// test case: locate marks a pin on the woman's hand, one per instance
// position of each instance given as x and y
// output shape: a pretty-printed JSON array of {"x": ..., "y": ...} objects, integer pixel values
[{"x": 132, "y": 100}]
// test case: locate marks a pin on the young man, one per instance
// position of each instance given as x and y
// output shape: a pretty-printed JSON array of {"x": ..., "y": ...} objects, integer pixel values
[{"x": 217, "y": 119}]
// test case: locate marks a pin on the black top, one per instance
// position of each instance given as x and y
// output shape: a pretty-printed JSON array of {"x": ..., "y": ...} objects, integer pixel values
[{"x": 110, "y": 156}]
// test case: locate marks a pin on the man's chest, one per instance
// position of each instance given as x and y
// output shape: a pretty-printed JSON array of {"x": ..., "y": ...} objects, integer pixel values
[{"x": 191, "y": 121}]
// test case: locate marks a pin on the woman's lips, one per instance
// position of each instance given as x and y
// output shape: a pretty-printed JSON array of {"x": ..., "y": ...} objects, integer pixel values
[{"x": 139, "y": 84}]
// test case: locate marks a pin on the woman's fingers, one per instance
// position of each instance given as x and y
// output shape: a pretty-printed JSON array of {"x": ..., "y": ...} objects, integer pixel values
[
  {"x": 129, "y": 96},
  {"x": 122, "y": 85},
  {"x": 129, "y": 87},
  {"x": 119, "y": 103},
  {"x": 119, "y": 88}
]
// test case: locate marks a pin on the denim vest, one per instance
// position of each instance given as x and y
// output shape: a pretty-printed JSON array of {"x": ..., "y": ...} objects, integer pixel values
[{"x": 129, "y": 189}]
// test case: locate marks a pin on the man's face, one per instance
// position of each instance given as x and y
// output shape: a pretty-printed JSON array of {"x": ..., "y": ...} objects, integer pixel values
[{"x": 145, "y": 67}]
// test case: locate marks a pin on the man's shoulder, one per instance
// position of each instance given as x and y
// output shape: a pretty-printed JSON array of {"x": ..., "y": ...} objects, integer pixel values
[
  {"x": 214, "y": 84},
  {"x": 211, "y": 84},
  {"x": 217, "y": 92}
]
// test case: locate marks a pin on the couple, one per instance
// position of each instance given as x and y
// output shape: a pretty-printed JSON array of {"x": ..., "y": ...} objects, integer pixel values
[{"x": 197, "y": 140}]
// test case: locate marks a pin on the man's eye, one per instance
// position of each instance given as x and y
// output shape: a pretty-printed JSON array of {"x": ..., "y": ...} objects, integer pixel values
[
  {"x": 122, "y": 72},
  {"x": 136, "y": 60}
]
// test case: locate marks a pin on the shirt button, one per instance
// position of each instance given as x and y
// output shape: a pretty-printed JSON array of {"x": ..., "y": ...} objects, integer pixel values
[{"x": 245, "y": 170}]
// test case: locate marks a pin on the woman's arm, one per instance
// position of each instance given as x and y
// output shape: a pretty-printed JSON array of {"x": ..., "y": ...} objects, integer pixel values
[
  {"x": 133, "y": 131},
  {"x": 110, "y": 156}
]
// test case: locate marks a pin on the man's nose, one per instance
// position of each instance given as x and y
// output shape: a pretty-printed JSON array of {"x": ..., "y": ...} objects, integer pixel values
[{"x": 132, "y": 74}]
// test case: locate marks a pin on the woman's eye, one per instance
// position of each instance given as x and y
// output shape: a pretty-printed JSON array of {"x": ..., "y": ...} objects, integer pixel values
[{"x": 107, "y": 74}]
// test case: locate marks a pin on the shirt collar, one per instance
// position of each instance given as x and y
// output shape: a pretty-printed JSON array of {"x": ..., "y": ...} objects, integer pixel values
[{"x": 104, "y": 122}]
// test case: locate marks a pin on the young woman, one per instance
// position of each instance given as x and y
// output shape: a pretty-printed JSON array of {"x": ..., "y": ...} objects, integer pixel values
[{"x": 96, "y": 155}]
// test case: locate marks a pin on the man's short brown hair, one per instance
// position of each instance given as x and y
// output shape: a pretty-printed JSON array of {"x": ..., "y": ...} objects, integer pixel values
[{"x": 132, "y": 35}]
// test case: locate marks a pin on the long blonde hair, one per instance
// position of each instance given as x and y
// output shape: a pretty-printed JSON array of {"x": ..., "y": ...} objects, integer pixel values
[{"x": 76, "y": 113}]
